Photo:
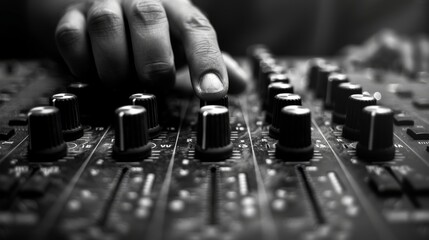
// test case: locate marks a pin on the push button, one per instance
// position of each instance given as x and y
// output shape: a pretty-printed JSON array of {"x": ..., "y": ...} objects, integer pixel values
[
  {"x": 421, "y": 102},
  {"x": 36, "y": 186},
  {"x": 6, "y": 133},
  {"x": 6, "y": 185},
  {"x": 384, "y": 183},
  {"x": 417, "y": 184},
  {"x": 403, "y": 120},
  {"x": 418, "y": 133}
]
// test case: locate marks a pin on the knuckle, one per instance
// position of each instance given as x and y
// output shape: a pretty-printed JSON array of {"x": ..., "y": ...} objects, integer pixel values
[
  {"x": 104, "y": 22},
  {"x": 155, "y": 69},
  {"x": 67, "y": 35},
  {"x": 198, "y": 22},
  {"x": 149, "y": 12}
]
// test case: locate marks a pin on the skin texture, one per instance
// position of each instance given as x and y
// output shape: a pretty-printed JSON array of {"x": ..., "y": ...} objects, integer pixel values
[{"x": 116, "y": 40}]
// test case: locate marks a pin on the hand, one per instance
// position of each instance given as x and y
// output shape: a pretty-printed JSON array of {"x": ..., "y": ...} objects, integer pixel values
[{"x": 117, "y": 38}]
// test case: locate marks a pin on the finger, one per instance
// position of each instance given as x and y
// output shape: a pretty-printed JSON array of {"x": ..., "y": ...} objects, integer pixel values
[
  {"x": 72, "y": 42},
  {"x": 108, "y": 40},
  {"x": 150, "y": 37},
  {"x": 208, "y": 72},
  {"x": 238, "y": 78}
]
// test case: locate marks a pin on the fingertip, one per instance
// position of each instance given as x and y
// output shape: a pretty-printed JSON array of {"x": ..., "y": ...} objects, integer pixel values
[{"x": 211, "y": 87}]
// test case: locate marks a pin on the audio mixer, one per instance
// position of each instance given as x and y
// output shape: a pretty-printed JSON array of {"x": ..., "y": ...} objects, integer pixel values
[{"x": 315, "y": 149}]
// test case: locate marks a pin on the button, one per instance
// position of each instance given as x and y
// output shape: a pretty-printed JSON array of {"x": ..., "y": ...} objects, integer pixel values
[
  {"x": 18, "y": 121},
  {"x": 384, "y": 183},
  {"x": 36, "y": 186},
  {"x": 421, "y": 102},
  {"x": 402, "y": 120},
  {"x": 418, "y": 133},
  {"x": 6, "y": 184},
  {"x": 403, "y": 92},
  {"x": 417, "y": 183},
  {"x": 6, "y": 133}
]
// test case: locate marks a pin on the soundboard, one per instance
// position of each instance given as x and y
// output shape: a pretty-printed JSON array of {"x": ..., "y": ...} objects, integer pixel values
[{"x": 288, "y": 159}]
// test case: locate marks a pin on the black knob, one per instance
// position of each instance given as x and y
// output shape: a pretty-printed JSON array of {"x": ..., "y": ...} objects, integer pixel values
[
  {"x": 278, "y": 77},
  {"x": 266, "y": 69},
  {"x": 295, "y": 134},
  {"x": 256, "y": 53},
  {"x": 131, "y": 134},
  {"x": 83, "y": 94},
  {"x": 343, "y": 92},
  {"x": 46, "y": 141},
  {"x": 280, "y": 101},
  {"x": 68, "y": 105},
  {"x": 376, "y": 134},
  {"x": 273, "y": 90},
  {"x": 313, "y": 72},
  {"x": 213, "y": 134},
  {"x": 334, "y": 80},
  {"x": 221, "y": 102},
  {"x": 355, "y": 105},
  {"x": 322, "y": 79},
  {"x": 148, "y": 101}
]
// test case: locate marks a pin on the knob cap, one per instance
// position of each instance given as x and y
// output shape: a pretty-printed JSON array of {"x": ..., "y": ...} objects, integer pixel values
[
  {"x": 273, "y": 90},
  {"x": 322, "y": 79},
  {"x": 221, "y": 102},
  {"x": 355, "y": 104},
  {"x": 313, "y": 72},
  {"x": 148, "y": 101},
  {"x": 131, "y": 134},
  {"x": 68, "y": 105},
  {"x": 280, "y": 101},
  {"x": 45, "y": 136},
  {"x": 343, "y": 93},
  {"x": 213, "y": 134},
  {"x": 83, "y": 94},
  {"x": 295, "y": 134},
  {"x": 334, "y": 80},
  {"x": 376, "y": 134},
  {"x": 278, "y": 77}
]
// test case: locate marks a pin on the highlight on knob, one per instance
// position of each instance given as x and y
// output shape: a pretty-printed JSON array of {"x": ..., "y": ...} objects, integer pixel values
[
  {"x": 131, "y": 134},
  {"x": 213, "y": 134},
  {"x": 148, "y": 101},
  {"x": 68, "y": 106}
]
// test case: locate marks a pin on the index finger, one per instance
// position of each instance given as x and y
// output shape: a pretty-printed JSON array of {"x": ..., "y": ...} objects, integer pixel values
[{"x": 208, "y": 72}]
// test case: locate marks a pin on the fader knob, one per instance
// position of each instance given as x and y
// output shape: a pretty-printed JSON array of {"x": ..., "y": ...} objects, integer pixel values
[
  {"x": 376, "y": 134},
  {"x": 213, "y": 134},
  {"x": 280, "y": 101},
  {"x": 221, "y": 102},
  {"x": 274, "y": 89},
  {"x": 148, "y": 101},
  {"x": 45, "y": 137},
  {"x": 355, "y": 105},
  {"x": 343, "y": 92},
  {"x": 295, "y": 134},
  {"x": 334, "y": 80},
  {"x": 68, "y": 105},
  {"x": 322, "y": 79},
  {"x": 131, "y": 134}
]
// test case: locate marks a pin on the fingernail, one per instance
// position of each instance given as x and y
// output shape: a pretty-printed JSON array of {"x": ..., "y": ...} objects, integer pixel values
[{"x": 210, "y": 83}]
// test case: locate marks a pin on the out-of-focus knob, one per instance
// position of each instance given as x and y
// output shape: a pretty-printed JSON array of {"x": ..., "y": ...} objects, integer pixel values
[
  {"x": 334, "y": 80},
  {"x": 68, "y": 105},
  {"x": 343, "y": 92},
  {"x": 273, "y": 90},
  {"x": 221, "y": 102},
  {"x": 313, "y": 72},
  {"x": 322, "y": 79},
  {"x": 131, "y": 134},
  {"x": 266, "y": 70},
  {"x": 355, "y": 105},
  {"x": 295, "y": 134},
  {"x": 83, "y": 94},
  {"x": 278, "y": 77},
  {"x": 148, "y": 101},
  {"x": 376, "y": 134},
  {"x": 213, "y": 134},
  {"x": 46, "y": 141},
  {"x": 256, "y": 53},
  {"x": 280, "y": 101}
]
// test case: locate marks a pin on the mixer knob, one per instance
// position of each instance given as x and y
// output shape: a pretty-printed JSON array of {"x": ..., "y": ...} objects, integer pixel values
[
  {"x": 213, "y": 134},
  {"x": 334, "y": 80},
  {"x": 278, "y": 77},
  {"x": 343, "y": 92},
  {"x": 313, "y": 72},
  {"x": 68, "y": 105},
  {"x": 295, "y": 134},
  {"x": 82, "y": 92},
  {"x": 274, "y": 89},
  {"x": 221, "y": 102},
  {"x": 376, "y": 134},
  {"x": 148, "y": 101},
  {"x": 131, "y": 134},
  {"x": 322, "y": 79},
  {"x": 280, "y": 101},
  {"x": 355, "y": 105},
  {"x": 45, "y": 137}
]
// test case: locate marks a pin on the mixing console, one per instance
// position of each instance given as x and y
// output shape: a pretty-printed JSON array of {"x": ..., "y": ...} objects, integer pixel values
[{"x": 313, "y": 150}]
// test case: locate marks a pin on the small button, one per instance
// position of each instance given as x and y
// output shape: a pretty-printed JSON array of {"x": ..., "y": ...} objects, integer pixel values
[
  {"x": 35, "y": 187},
  {"x": 418, "y": 133},
  {"x": 417, "y": 184},
  {"x": 404, "y": 92},
  {"x": 421, "y": 102},
  {"x": 384, "y": 183},
  {"x": 6, "y": 184},
  {"x": 403, "y": 120},
  {"x": 6, "y": 133},
  {"x": 18, "y": 121}
]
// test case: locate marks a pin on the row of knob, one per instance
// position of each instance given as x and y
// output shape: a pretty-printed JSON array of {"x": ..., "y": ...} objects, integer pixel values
[{"x": 365, "y": 122}]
